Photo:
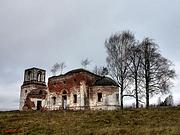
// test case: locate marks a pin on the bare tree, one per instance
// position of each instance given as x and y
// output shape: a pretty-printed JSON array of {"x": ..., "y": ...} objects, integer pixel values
[
  {"x": 117, "y": 47},
  {"x": 169, "y": 101},
  {"x": 97, "y": 70},
  {"x": 102, "y": 71},
  {"x": 157, "y": 72},
  {"x": 58, "y": 66},
  {"x": 135, "y": 68},
  {"x": 85, "y": 62},
  {"x": 55, "y": 68},
  {"x": 62, "y": 66}
]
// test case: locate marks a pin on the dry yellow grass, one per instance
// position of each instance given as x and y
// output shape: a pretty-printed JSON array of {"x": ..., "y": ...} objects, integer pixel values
[{"x": 159, "y": 121}]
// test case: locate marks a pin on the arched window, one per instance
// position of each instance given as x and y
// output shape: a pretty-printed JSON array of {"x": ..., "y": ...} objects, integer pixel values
[
  {"x": 29, "y": 76},
  {"x": 75, "y": 98},
  {"x": 64, "y": 99},
  {"x": 54, "y": 100},
  {"x": 100, "y": 97},
  {"x": 64, "y": 92},
  {"x": 39, "y": 76}
]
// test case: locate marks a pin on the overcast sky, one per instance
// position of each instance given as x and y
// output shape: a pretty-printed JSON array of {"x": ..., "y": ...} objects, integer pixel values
[{"x": 39, "y": 33}]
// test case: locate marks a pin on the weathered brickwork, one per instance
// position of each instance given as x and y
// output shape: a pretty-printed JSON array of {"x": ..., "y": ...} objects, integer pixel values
[
  {"x": 109, "y": 97},
  {"x": 77, "y": 89},
  {"x": 70, "y": 81}
]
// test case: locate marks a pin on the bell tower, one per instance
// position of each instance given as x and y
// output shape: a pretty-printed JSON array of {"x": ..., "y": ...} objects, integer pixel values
[
  {"x": 34, "y": 75},
  {"x": 33, "y": 88}
]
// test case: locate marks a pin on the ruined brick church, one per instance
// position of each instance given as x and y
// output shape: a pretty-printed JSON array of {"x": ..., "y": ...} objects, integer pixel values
[{"x": 76, "y": 89}]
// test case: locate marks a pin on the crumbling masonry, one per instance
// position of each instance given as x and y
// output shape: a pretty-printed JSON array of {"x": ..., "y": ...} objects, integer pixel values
[{"x": 77, "y": 89}]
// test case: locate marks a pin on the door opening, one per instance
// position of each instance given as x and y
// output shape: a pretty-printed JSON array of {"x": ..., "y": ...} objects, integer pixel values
[
  {"x": 64, "y": 101},
  {"x": 39, "y": 105}
]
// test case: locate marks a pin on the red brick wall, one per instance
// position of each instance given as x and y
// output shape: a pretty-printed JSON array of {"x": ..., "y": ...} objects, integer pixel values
[{"x": 70, "y": 82}]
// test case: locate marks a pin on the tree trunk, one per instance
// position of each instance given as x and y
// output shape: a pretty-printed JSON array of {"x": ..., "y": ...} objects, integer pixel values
[
  {"x": 147, "y": 92},
  {"x": 122, "y": 89},
  {"x": 147, "y": 75},
  {"x": 147, "y": 88},
  {"x": 122, "y": 98},
  {"x": 147, "y": 96},
  {"x": 136, "y": 92}
]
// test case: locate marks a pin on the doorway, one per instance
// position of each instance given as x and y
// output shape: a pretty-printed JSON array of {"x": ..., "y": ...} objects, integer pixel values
[
  {"x": 64, "y": 100},
  {"x": 39, "y": 105}
]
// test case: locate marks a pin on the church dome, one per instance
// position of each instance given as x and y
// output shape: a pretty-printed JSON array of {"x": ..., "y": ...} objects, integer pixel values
[{"x": 105, "y": 81}]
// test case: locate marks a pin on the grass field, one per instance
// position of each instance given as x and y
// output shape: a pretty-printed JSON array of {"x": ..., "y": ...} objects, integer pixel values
[{"x": 159, "y": 121}]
